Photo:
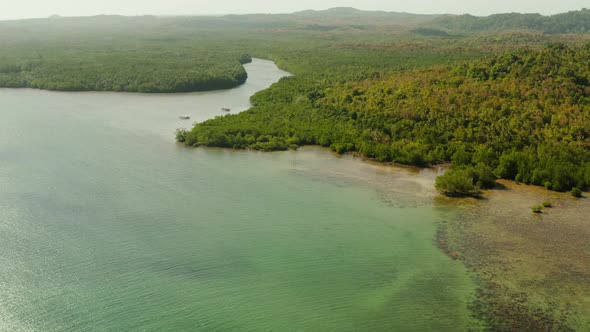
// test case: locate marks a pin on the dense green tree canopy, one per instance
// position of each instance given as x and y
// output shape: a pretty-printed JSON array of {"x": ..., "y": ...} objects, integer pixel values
[
  {"x": 572, "y": 22},
  {"x": 393, "y": 87},
  {"x": 525, "y": 114},
  {"x": 132, "y": 70},
  {"x": 179, "y": 54}
]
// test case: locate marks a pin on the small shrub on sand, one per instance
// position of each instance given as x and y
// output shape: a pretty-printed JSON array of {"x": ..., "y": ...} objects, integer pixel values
[{"x": 576, "y": 192}]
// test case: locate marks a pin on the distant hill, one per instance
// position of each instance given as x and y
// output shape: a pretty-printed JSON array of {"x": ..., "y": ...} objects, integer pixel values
[
  {"x": 571, "y": 22},
  {"x": 355, "y": 16},
  {"x": 339, "y": 18},
  {"x": 343, "y": 18},
  {"x": 334, "y": 18}
]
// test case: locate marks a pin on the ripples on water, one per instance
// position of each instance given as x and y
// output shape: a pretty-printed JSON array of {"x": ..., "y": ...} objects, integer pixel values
[{"x": 107, "y": 225}]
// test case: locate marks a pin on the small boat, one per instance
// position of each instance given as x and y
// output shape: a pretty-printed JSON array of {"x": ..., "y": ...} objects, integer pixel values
[
  {"x": 225, "y": 109},
  {"x": 184, "y": 117}
]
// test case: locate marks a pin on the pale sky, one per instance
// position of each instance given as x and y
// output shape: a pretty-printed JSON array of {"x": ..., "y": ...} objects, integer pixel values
[{"x": 16, "y": 9}]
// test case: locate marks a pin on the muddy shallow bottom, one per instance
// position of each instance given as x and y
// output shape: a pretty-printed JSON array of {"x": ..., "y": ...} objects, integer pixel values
[{"x": 533, "y": 269}]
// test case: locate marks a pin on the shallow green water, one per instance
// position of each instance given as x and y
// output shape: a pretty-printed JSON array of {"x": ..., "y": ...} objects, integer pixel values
[{"x": 107, "y": 225}]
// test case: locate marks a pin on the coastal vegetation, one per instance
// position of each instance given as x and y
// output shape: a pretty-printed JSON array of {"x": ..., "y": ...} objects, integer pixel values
[
  {"x": 465, "y": 180},
  {"x": 112, "y": 53},
  {"x": 179, "y": 54},
  {"x": 520, "y": 115},
  {"x": 509, "y": 98},
  {"x": 457, "y": 183},
  {"x": 131, "y": 70},
  {"x": 539, "y": 207},
  {"x": 576, "y": 192},
  {"x": 501, "y": 97}
]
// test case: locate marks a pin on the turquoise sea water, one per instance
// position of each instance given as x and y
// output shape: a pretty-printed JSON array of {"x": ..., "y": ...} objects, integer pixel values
[{"x": 107, "y": 225}]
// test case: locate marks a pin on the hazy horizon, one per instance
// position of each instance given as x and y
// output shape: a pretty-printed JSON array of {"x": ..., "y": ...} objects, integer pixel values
[{"x": 25, "y": 9}]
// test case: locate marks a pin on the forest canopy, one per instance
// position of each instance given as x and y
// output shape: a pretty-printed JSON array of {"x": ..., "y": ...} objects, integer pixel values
[
  {"x": 497, "y": 91},
  {"x": 180, "y": 54},
  {"x": 524, "y": 114},
  {"x": 131, "y": 70}
]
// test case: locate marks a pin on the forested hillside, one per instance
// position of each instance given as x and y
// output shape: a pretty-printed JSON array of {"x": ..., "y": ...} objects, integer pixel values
[
  {"x": 571, "y": 22},
  {"x": 524, "y": 115}
]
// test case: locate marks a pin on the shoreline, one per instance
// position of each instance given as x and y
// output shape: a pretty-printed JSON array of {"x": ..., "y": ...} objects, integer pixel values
[
  {"x": 126, "y": 92},
  {"x": 230, "y": 87},
  {"x": 158, "y": 94},
  {"x": 163, "y": 93},
  {"x": 532, "y": 270},
  {"x": 486, "y": 233},
  {"x": 485, "y": 246}
]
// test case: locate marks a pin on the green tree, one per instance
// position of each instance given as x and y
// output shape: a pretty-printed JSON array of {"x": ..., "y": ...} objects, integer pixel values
[{"x": 457, "y": 182}]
